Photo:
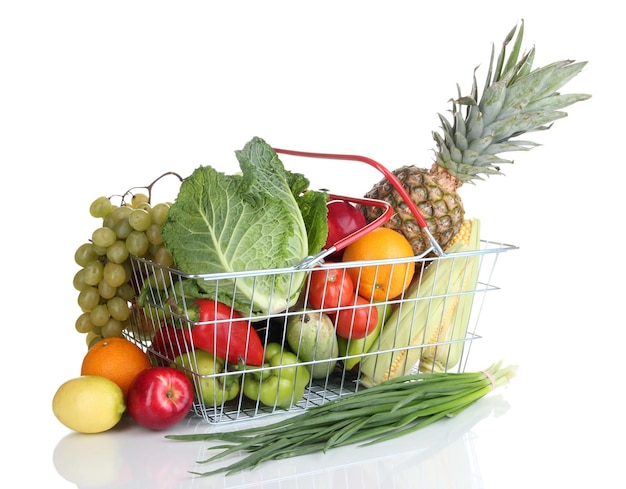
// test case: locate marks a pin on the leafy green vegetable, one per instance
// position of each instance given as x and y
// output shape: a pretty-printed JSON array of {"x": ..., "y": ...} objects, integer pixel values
[{"x": 261, "y": 219}]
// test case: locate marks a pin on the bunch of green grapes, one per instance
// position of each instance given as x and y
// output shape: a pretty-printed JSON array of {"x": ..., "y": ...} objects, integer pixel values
[{"x": 103, "y": 282}]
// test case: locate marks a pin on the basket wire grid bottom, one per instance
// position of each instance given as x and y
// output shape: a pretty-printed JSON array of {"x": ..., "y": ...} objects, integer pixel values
[{"x": 316, "y": 394}]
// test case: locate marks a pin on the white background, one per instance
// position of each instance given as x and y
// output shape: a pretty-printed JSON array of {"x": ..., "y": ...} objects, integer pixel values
[{"x": 98, "y": 97}]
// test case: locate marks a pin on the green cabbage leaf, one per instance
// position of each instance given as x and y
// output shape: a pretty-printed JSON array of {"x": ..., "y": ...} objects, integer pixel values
[{"x": 260, "y": 220}]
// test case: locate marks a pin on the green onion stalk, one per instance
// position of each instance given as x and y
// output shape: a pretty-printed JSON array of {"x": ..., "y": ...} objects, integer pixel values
[{"x": 382, "y": 412}]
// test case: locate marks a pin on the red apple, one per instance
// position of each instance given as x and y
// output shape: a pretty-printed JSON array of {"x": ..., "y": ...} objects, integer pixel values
[
  {"x": 343, "y": 220},
  {"x": 159, "y": 397}
]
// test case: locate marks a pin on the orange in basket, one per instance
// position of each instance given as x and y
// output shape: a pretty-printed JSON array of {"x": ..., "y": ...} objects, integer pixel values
[
  {"x": 117, "y": 359},
  {"x": 385, "y": 281}
]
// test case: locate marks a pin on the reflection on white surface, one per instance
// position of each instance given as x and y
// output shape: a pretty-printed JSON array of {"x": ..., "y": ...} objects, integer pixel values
[{"x": 441, "y": 455}]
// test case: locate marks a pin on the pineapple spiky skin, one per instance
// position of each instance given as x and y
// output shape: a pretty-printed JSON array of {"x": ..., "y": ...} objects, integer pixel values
[
  {"x": 516, "y": 100},
  {"x": 442, "y": 209}
]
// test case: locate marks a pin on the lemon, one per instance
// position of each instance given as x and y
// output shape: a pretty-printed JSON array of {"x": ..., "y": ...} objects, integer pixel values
[{"x": 89, "y": 404}]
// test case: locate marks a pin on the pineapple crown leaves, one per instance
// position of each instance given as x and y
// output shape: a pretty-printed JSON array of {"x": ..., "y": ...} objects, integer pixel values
[{"x": 516, "y": 99}]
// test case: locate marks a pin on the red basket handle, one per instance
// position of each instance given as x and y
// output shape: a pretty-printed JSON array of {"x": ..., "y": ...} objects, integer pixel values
[{"x": 388, "y": 174}]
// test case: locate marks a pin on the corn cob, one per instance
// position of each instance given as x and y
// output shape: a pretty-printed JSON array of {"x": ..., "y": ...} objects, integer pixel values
[
  {"x": 453, "y": 327},
  {"x": 435, "y": 311}
]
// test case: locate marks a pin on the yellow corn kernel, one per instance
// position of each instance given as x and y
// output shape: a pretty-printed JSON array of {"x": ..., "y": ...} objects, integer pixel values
[{"x": 463, "y": 235}]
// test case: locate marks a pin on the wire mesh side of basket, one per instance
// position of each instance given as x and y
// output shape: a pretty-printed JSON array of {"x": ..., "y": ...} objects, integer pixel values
[{"x": 162, "y": 318}]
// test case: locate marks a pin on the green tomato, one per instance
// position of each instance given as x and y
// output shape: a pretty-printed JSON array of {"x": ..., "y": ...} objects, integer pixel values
[
  {"x": 298, "y": 375},
  {"x": 213, "y": 385},
  {"x": 280, "y": 383},
  {"x": 271, "y": 350},
  {"x": 282, "y": 360},
  {"x": 272, "y": 392}
]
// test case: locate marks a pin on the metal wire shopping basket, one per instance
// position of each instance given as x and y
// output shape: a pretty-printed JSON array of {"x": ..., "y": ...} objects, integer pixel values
[{"x": 403, "y": 345}]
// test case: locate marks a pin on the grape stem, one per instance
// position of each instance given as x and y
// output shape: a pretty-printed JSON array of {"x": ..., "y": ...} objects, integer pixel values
[{"x": 149, "y": 186}]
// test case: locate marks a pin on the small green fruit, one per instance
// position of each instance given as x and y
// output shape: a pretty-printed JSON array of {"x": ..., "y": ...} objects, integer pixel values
[{"x": 312, "y": 337}]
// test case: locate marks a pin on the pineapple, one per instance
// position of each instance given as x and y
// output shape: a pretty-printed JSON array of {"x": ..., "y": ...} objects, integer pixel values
[{"x": 515, "y": 100}]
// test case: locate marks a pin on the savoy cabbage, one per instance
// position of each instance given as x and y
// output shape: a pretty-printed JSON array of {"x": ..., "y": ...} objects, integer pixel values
[{"x": 263, "y": 219}]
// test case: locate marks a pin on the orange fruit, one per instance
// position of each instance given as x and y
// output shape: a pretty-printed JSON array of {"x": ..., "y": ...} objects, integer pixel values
[
  {"x": 385, "y": 281},
  {"x": 116, "y": 359}
]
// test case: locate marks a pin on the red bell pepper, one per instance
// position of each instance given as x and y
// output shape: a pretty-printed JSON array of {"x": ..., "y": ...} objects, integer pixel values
[
  {"x": 222, "y": 331},
  {"x": 171, "y": 342}
]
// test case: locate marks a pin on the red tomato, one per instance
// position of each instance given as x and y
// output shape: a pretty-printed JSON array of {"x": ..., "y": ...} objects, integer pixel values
[
  {"x": 343, "y": 220},
  {"x": 330, "y": 288},
  {"x": 358, "y": 320}
]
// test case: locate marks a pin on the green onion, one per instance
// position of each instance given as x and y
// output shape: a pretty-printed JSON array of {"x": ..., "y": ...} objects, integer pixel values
[{"x": 382, "y": 412}]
